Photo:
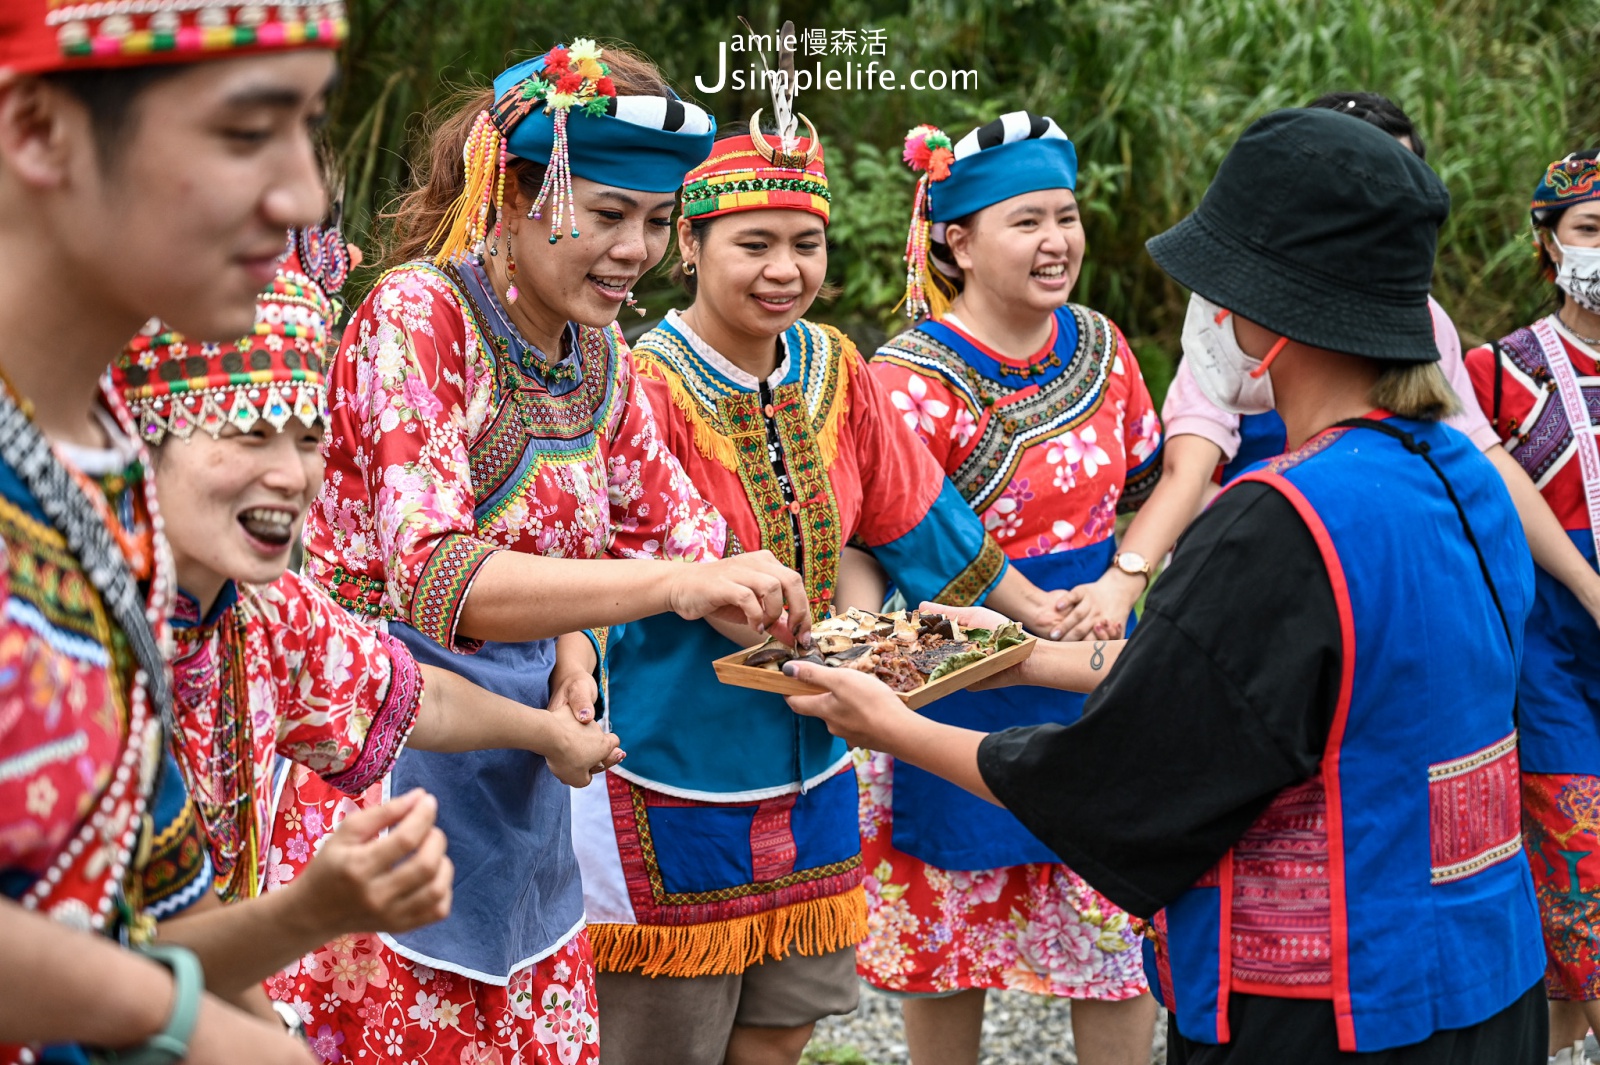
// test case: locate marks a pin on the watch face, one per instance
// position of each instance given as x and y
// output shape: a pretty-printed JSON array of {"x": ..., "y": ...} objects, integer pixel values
[
  {"x": 291, "y": 1019},
  {"x": 1132, "y": 562}
]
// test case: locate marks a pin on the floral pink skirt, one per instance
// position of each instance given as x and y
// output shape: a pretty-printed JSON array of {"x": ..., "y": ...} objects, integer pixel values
[
  {"x": 1037, "y": 928},
  {"x": 362, "y": 1003}
]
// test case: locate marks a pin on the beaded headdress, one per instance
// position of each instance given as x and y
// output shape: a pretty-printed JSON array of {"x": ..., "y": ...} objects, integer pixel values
[
  {"x": 1573, "y": 179},
  {"x": 175, "y": 386},
  {"x": 39, "y": 36},
  {"x": 563, "y": 111},
  {"x": 750, "y": 173},
  {"x": 1017, "y": 153}
]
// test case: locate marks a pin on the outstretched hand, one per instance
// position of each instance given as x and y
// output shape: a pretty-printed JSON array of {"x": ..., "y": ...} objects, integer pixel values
[
  {"x": 858, "y": 708},
  {"x": 364, "y": 881},
  {"x": 752, "y": 588}
]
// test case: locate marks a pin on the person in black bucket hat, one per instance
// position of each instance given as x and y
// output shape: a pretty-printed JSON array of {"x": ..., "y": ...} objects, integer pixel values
[{"x": 1302, "y": 768}]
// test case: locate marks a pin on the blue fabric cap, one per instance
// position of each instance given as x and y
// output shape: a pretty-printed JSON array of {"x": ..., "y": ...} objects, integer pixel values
[
  {"x": 643, "y": 143},
  {"x": 1017, "y": 153}
]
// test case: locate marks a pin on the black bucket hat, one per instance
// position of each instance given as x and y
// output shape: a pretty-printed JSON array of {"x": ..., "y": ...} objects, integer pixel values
[{"x": 1321, "y": 228}]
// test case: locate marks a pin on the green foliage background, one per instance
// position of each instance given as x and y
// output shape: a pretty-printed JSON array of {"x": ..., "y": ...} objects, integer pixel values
[{"x": 1152, "y": 91}]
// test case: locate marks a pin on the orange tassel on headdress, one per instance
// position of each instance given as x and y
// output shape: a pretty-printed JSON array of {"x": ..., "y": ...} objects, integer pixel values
[{"x": 467, "y": 224}]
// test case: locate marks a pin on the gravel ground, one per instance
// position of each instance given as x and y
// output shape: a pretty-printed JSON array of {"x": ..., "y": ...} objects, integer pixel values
[{"x": 1018, "y": 1029}]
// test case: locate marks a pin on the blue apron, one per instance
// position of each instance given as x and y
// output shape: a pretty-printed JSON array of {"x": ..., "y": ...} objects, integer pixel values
[
  {"x": 951, "y": 828},
  {"x": 509, "y": 822},
  {"x": 1559, "y": 725}
]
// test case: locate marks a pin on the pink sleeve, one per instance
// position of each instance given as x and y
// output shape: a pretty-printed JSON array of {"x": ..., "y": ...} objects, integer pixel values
[
  {"x": 348, "y": 694},
  {"x": 656, "y": 511},
  {"x": 400, "y": 490},
  {"x": 1187, "y": 411},
  {"x": 1471, "y": 420},
  {"x": 928, "y": 408}
]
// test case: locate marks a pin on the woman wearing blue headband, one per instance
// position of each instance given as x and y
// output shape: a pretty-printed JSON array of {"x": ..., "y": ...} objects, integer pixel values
[
  {"x": 486, "y": 439},
  {"x": 1036, "y": 409}
]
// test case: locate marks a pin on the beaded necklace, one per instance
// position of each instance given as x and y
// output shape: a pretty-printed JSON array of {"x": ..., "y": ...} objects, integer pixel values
[
  {"x": 221, "y": 770},
  {"x": 87, "y": 878}
]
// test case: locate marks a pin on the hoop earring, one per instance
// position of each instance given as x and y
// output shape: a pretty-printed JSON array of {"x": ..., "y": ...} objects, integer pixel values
[{"x": 688, "y": 269}]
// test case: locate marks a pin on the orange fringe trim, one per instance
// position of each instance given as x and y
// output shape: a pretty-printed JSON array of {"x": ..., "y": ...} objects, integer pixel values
[
  {"x": 817, "y": 926},
  {"x": 849, "y": 363},
  {"x": 707, "y": 440}
]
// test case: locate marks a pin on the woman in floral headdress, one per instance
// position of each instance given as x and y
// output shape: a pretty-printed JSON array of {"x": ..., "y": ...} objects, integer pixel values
[
  {"x": 1537, "y": 386},
  {"x": 723, "y": 870},
  {"x": 487, "y": 446},
  {"x": 1036, "y": 409},
  {"x": 268, "y": 668}
]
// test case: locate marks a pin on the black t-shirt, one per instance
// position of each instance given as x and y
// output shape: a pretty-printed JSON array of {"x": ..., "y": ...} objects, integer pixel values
[{"x": 1223, "y": 697}]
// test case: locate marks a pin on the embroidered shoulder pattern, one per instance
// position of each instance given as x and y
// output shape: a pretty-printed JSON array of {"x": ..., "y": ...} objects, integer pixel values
[{"x": 1028, "y": 419}]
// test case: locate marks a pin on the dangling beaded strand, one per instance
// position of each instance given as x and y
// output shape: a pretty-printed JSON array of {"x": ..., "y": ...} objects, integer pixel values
[
  {"x": 556, "y": 192},
  {"x": 917, "y": 239}
]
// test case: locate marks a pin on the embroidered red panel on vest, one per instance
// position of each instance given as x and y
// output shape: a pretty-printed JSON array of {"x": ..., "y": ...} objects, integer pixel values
[
  {"x": 774, "y": 857},
  {"x": 1474, "y": 811},
  {"x": 772, "y": 847},
  {"x": 1282, "y": 934}
]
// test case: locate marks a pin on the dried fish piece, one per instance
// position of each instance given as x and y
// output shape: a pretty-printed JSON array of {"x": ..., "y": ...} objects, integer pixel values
[{"x": 771, "y": 655}]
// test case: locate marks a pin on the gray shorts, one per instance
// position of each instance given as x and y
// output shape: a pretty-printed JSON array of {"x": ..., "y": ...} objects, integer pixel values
[{"x": 687, "y": 1020}]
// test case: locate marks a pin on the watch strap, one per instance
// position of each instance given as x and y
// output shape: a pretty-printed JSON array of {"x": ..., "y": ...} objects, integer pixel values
[{"x": 170, "y": 1045}]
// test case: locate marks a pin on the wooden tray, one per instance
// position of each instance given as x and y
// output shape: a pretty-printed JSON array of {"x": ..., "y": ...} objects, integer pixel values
[{"x": 732, "y": 670}]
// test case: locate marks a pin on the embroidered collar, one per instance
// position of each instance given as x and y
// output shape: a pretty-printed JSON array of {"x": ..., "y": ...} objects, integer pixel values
[
  {"x": 1039, "y": 368},
  {"x": 186, "y": 608},
  {"x": 715, "y": 359},
  {"x": 528, "y": 356}
]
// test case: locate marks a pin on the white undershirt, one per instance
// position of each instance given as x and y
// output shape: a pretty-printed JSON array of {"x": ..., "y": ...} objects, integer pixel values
[{"x": 722, "y": 365}]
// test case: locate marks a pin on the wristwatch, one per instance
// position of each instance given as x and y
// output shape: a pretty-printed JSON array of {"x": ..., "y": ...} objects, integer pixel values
[
  {"x": 1133, "y": 564},
  {"x": 291, "y": 1019}
]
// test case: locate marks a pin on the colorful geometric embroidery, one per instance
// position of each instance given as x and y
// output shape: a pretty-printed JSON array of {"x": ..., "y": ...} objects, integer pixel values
[
  {"x": 1282, "y": 928},
  {"x": 442, "y": 586},
  {"x": 802, "y": 411},
  {"x": 1316, "y": 445},
  {"x": 1027, "y": 419},
  {"x": 1474, "y": 811},
  {"x": 977, "y": 578},
  {"x": 653, "y": 904},
  {"x": 44, "y": 573},
  {"x": 1544, "y": 439}
]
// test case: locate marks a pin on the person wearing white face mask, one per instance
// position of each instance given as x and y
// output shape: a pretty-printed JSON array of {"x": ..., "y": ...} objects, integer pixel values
[
  {"x": 1539, "y": 386},
  {"x": 1302, "y": 766},
  {"x": 1207, "y": 446}
]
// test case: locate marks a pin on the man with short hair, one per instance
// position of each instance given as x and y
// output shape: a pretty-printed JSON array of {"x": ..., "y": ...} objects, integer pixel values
[{"x": 135, "y": 181}]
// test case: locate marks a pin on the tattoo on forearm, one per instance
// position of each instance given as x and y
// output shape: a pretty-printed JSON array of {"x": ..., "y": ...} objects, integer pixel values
[{"x": 1098, "y": 659}]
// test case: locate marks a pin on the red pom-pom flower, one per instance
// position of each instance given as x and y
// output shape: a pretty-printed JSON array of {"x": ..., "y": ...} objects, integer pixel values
[
  {"x": 927, "y": 150},
  {"x": 569, "y": 83}
]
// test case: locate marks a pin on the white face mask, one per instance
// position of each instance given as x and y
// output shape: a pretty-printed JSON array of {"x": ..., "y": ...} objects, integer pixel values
[
  {"x": 1231, "y": 379},
  {"x": 1579, "y": 275}
]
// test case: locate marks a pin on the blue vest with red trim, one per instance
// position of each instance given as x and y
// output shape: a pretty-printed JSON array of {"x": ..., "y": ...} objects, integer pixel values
[{"x": 1392, "y": 882}]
